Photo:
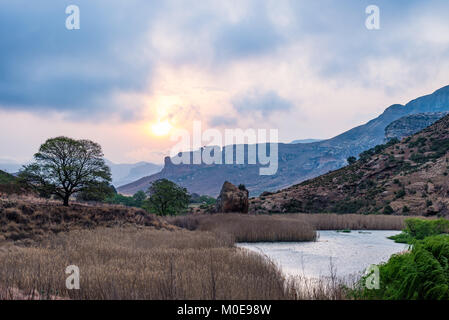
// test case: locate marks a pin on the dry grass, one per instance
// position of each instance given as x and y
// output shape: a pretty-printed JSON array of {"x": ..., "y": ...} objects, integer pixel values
[
  {"x": 144, "y": 263},
  {"x": 125, "y": 253},
  {"x": 140, "y": 263},
  {"x": 29, "y": 218},
  {"x": 250, "y": 228},
  {"x": 284, "y": 227},
  {"x": 352, "y": 221}
]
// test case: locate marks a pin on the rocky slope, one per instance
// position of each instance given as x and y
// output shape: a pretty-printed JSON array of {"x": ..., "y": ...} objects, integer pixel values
[
  {"x": 297, "y": 162},
  {"x": 406, "y": 177},
  {"x": 409, "y": 125}
]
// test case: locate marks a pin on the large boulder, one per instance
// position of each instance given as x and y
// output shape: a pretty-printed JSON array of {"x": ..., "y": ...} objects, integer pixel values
[{"x": 232, "y": 199}]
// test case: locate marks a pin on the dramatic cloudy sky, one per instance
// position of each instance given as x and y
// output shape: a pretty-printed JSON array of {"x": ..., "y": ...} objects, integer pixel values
[{"x": 138, "y": 67}]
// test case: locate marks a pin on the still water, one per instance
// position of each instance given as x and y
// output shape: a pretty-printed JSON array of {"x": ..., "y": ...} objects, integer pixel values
[{"x": 349, "y": 253}]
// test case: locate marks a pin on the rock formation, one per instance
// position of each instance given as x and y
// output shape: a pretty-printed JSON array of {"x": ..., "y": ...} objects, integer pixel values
[
  {"x": 232, "y": 199},
  {"x": 411, "y": 124}
]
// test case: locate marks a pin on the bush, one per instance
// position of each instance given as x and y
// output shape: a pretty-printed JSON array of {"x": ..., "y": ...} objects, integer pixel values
[
  {"x": 388, "y": 210},
  {"x": 400, "y": 194},
  {"x": 422, "y": 273},
  {"x": 418, "y": 229},
  {"x": 134, "y": 201},
  {"x": 351, "y": 160}
]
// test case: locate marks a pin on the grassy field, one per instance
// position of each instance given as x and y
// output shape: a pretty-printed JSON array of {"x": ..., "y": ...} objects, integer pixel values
[
  {"x": 144, "y": 263},
  {"x": 125, "y": 253},
  {"x": 26, "y": 219},
  {"x": 141, "y": 263}
]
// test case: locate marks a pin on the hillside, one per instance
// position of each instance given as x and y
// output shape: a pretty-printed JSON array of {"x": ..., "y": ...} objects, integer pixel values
[
  {"x": 6, "y": 177},
  {"x": 305, "y": 141},
  {"x": 35, "y": 218},
  {"x": 409, "y": 125},
  {"x": 8, "y": 184},
  {"x": 406, "y": 177},
  {"x": 297, "y": 162}
]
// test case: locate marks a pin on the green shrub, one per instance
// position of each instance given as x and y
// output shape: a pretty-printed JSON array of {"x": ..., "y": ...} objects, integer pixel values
[
  {"x": 422, "y": 273},
  {"x": 400, "y": 194},
  {"x": 388, "y": 210},
  {"x": 418, "y": 229}
]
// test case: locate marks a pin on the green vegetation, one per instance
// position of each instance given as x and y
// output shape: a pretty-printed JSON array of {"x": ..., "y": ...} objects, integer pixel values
[
  {"x": 167, "y": 198},
  {"x": 9, "y": 184},
  {"x": 351, "y": 160},
  {"x": 64, "y": 166},
  {"x": 388, "y": 210},
  {"x": 364, "y": 156},
  {"x": 6, "y": 178},
  {"x": 422, "y": 272},
  {"x": 348, "y": 206},
  {"x": 418, "y": 229},
  {"x": 97, "y": 192},
  {"x": 197, "y": 199},
  {"x": 137, "y": 200}
]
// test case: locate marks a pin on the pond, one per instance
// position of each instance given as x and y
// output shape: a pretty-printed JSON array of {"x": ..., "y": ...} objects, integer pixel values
[{"x": 348, "y": 253}]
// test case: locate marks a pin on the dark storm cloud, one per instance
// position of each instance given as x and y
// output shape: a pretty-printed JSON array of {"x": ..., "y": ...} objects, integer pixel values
[{"x": 44, "y": 66}]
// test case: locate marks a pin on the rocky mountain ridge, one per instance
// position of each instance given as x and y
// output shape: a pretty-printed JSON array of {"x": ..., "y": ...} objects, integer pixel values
[
  {"x": 400, "y": 177},
  {"x": 409, "y": 125}
]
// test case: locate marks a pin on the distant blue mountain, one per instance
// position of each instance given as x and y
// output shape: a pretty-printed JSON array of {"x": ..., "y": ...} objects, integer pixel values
[
  {"x": 306, "y": 141},
  {"x": 129, "y": 172},
  {"x": 10, "y": 166}
]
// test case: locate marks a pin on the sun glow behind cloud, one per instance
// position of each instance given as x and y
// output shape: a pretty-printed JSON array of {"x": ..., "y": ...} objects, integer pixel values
[{"x": 161, "y": 128}]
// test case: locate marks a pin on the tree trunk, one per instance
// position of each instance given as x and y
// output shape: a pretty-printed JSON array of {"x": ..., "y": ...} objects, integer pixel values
[{"x": 66, "y": 200}]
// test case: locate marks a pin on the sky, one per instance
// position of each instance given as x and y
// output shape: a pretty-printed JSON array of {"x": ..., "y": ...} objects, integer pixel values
[{"x": 137, "y": 70}]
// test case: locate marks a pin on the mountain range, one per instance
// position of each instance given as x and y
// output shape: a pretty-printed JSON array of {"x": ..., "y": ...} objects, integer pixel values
[
  {"x": 10, "y": 166},
  {"x": 127, "y": 172},
  {"x": 305, "y": 141},
  {"x": 400, "y": 177},
  {"x": 297, "y": 162}
]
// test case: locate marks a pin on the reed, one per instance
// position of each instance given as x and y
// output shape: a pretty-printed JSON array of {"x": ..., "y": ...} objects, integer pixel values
[
  {"x": 140, "y": 263},
  {"x": 144, "y": 263},
  {"x": 250, "y": 228},
  {"x": 284, "y": 227}
]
